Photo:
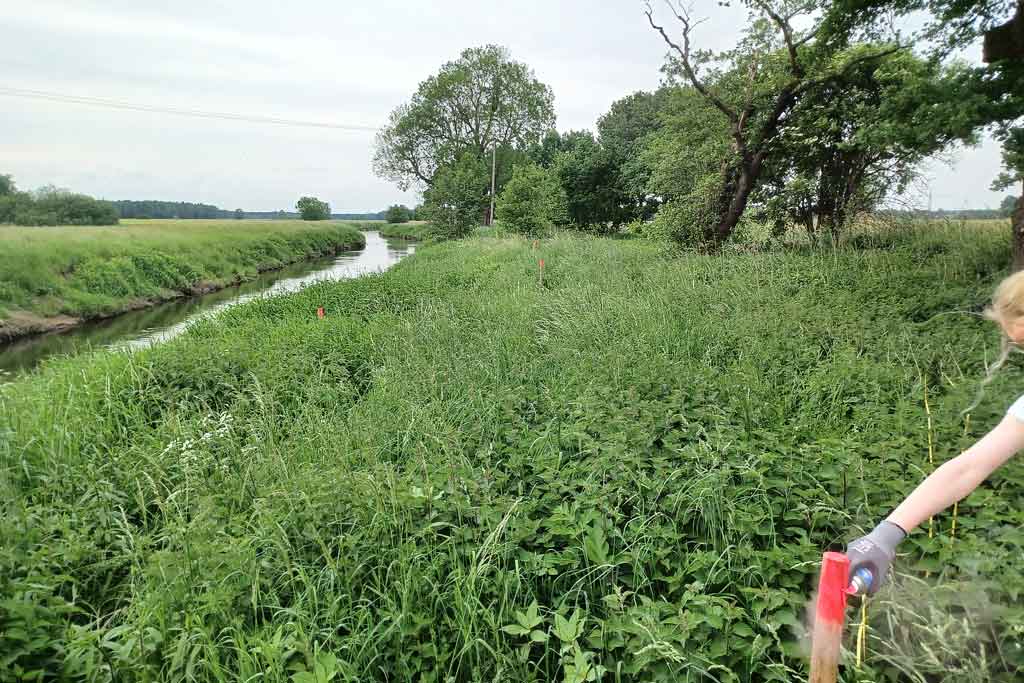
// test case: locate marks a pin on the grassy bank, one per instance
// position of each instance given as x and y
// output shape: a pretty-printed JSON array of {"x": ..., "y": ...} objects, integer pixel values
[
  {"x": 84, "y": 272},
  {"x": 626, "y": 473},
  {"x": 416, "y": 230}
]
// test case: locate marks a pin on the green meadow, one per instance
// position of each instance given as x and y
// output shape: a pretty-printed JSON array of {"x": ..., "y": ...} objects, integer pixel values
[{"x": 624, "y": 471}]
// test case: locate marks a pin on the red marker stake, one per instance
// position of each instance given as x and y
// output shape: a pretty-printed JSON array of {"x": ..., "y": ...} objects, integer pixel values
[
  {"x": 829, "y": 617},
  {"x": 542, "y": 272}
]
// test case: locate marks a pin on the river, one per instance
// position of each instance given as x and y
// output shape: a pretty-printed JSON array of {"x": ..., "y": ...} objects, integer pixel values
[{"x": 152, "y": 325}]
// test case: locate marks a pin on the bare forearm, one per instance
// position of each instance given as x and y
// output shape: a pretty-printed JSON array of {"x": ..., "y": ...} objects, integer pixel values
[
  {"x": 957, "y": 478},
  {"x": 950, "y": 483}
]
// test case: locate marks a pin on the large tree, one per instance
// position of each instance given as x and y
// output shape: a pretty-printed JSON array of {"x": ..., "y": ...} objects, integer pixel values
[
  {"x": 952, "y": 24},
  {"x": 856, "y": 139},
  {"x": 481, "y": 100},
  {"x": 623, "y": 131},
  {"x": 590, "y": 178},
  {"x": 312, "y": 209},
  {"x": 755, "y": 87}
]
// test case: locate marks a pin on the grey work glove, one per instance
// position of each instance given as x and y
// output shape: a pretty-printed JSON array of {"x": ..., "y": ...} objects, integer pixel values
[{"x": 875, "y": 552}]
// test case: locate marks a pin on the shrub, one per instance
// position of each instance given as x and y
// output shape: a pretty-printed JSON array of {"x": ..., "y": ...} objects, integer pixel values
[
  {"x": 532, "y": 202},
  {"x": 456, "y": 201},
  {"x": 55, "y": 207},
  {"x": 398, "y": 213}
]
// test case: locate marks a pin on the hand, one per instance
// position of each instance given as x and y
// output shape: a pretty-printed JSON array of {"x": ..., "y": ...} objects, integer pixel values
[{"x": 875, "y": 552}]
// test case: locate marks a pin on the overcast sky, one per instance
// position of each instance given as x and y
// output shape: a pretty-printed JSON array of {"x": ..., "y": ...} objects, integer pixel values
[{"x": 348, "y": 62}]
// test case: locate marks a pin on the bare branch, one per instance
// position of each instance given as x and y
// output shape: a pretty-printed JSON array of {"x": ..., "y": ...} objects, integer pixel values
[
  {"x": 684, "y": 54},
  {"x": 787, "y": 35}
]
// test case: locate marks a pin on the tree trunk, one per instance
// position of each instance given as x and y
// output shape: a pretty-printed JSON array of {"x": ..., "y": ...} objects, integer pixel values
[
  {"x": 1006, "y": 41},
  {"x": 739, "y": 195},
  {"x": 1017, "y": 225}
]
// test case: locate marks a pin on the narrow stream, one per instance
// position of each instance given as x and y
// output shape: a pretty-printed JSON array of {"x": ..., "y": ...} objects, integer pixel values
[{"x": 164, "y": 321}]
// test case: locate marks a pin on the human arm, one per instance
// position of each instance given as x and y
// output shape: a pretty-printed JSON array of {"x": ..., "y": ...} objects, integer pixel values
[
  {"x": 957, "y": 478},
  {"x": 951, "y": 482}
]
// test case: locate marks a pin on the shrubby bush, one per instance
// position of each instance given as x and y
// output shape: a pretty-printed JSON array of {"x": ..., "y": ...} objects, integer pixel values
[
  {"x": 398, "y": 213},
  {"x": 53, "y": 206},
  {"x": 457, "y": 199},
  {"x": 532, "y": 202}
]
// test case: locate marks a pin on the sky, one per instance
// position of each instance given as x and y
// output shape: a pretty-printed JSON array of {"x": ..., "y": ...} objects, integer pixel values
[{"x": 349, "y": 62}]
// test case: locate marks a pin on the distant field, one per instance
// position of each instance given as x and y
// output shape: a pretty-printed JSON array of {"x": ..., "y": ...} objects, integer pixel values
[{"x": 85, "y": 272}]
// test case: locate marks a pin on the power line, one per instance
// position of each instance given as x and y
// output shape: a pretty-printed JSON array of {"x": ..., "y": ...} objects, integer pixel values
[{"x": 115, "y": 104}]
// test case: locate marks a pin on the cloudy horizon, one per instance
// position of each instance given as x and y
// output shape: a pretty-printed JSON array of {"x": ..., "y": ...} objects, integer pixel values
[{"x": 317, "y": 62}]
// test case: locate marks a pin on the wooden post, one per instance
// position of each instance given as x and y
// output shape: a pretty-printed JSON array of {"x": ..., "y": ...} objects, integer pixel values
[{"x": 829, "y": 617}]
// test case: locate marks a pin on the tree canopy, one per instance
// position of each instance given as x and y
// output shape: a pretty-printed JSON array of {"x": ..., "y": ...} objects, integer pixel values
[
  {"x": 782, "y": 58},
  {"x": 398, "y": 213},
  {"x": 312, "y": 209},
  {"x": 456, "y": 202},
  {"x": 481, "y": 100}
]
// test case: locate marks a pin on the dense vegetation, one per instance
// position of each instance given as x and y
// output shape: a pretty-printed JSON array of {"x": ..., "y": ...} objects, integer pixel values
[
  {"x": 399, "y": 213},
  {"x": 626, "y": 472},
  {"x": 409, "y": 231},
  {"x": 86, "y": 272},
  {"x": 149, "y": 208},
  {"x": 818, "y": 114},
  {"x": 51, "y": 206}
]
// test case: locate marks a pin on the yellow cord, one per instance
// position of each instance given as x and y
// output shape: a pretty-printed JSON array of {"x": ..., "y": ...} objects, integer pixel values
[
  {"x": 931, "y": 451},
  {"x": 862, "y": 632},
  {"x": 956, "y": 505}
]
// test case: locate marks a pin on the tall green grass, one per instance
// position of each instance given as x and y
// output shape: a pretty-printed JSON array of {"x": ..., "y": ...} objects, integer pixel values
[
  {"x": 626, "y": 473},
  {"x": 414, "y": 230},
  {"x": 88, "y": 271}
]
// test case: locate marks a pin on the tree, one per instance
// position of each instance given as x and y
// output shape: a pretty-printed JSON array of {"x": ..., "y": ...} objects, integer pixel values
[
  {"x": 623, "y": 131},
  {"x": 687, "y": 158},
  {"x": 1007, "y": 206},
  {"x": 397, "y": 213},
  {"x": 51, "y": 205},
  {"x": 589, "y": 177},
  {"x": 457, "y": 200},
  {"x": 483, "y": 99},
  {"x": 754, "y": 88},
  {"x": 239, "y": 214},
  {"x": 954, "y": 23},
  {"x": 312, "y": 209},
  {"x": 853, "y": 140},
  {"x": 532, "y": 202}
]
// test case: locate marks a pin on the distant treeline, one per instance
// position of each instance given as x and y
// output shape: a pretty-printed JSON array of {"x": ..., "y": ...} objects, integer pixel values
[
  {"x": 156, "y": 209},
  {"x": 952, "y": 214},
  {"x": 159, "y": 209}
]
